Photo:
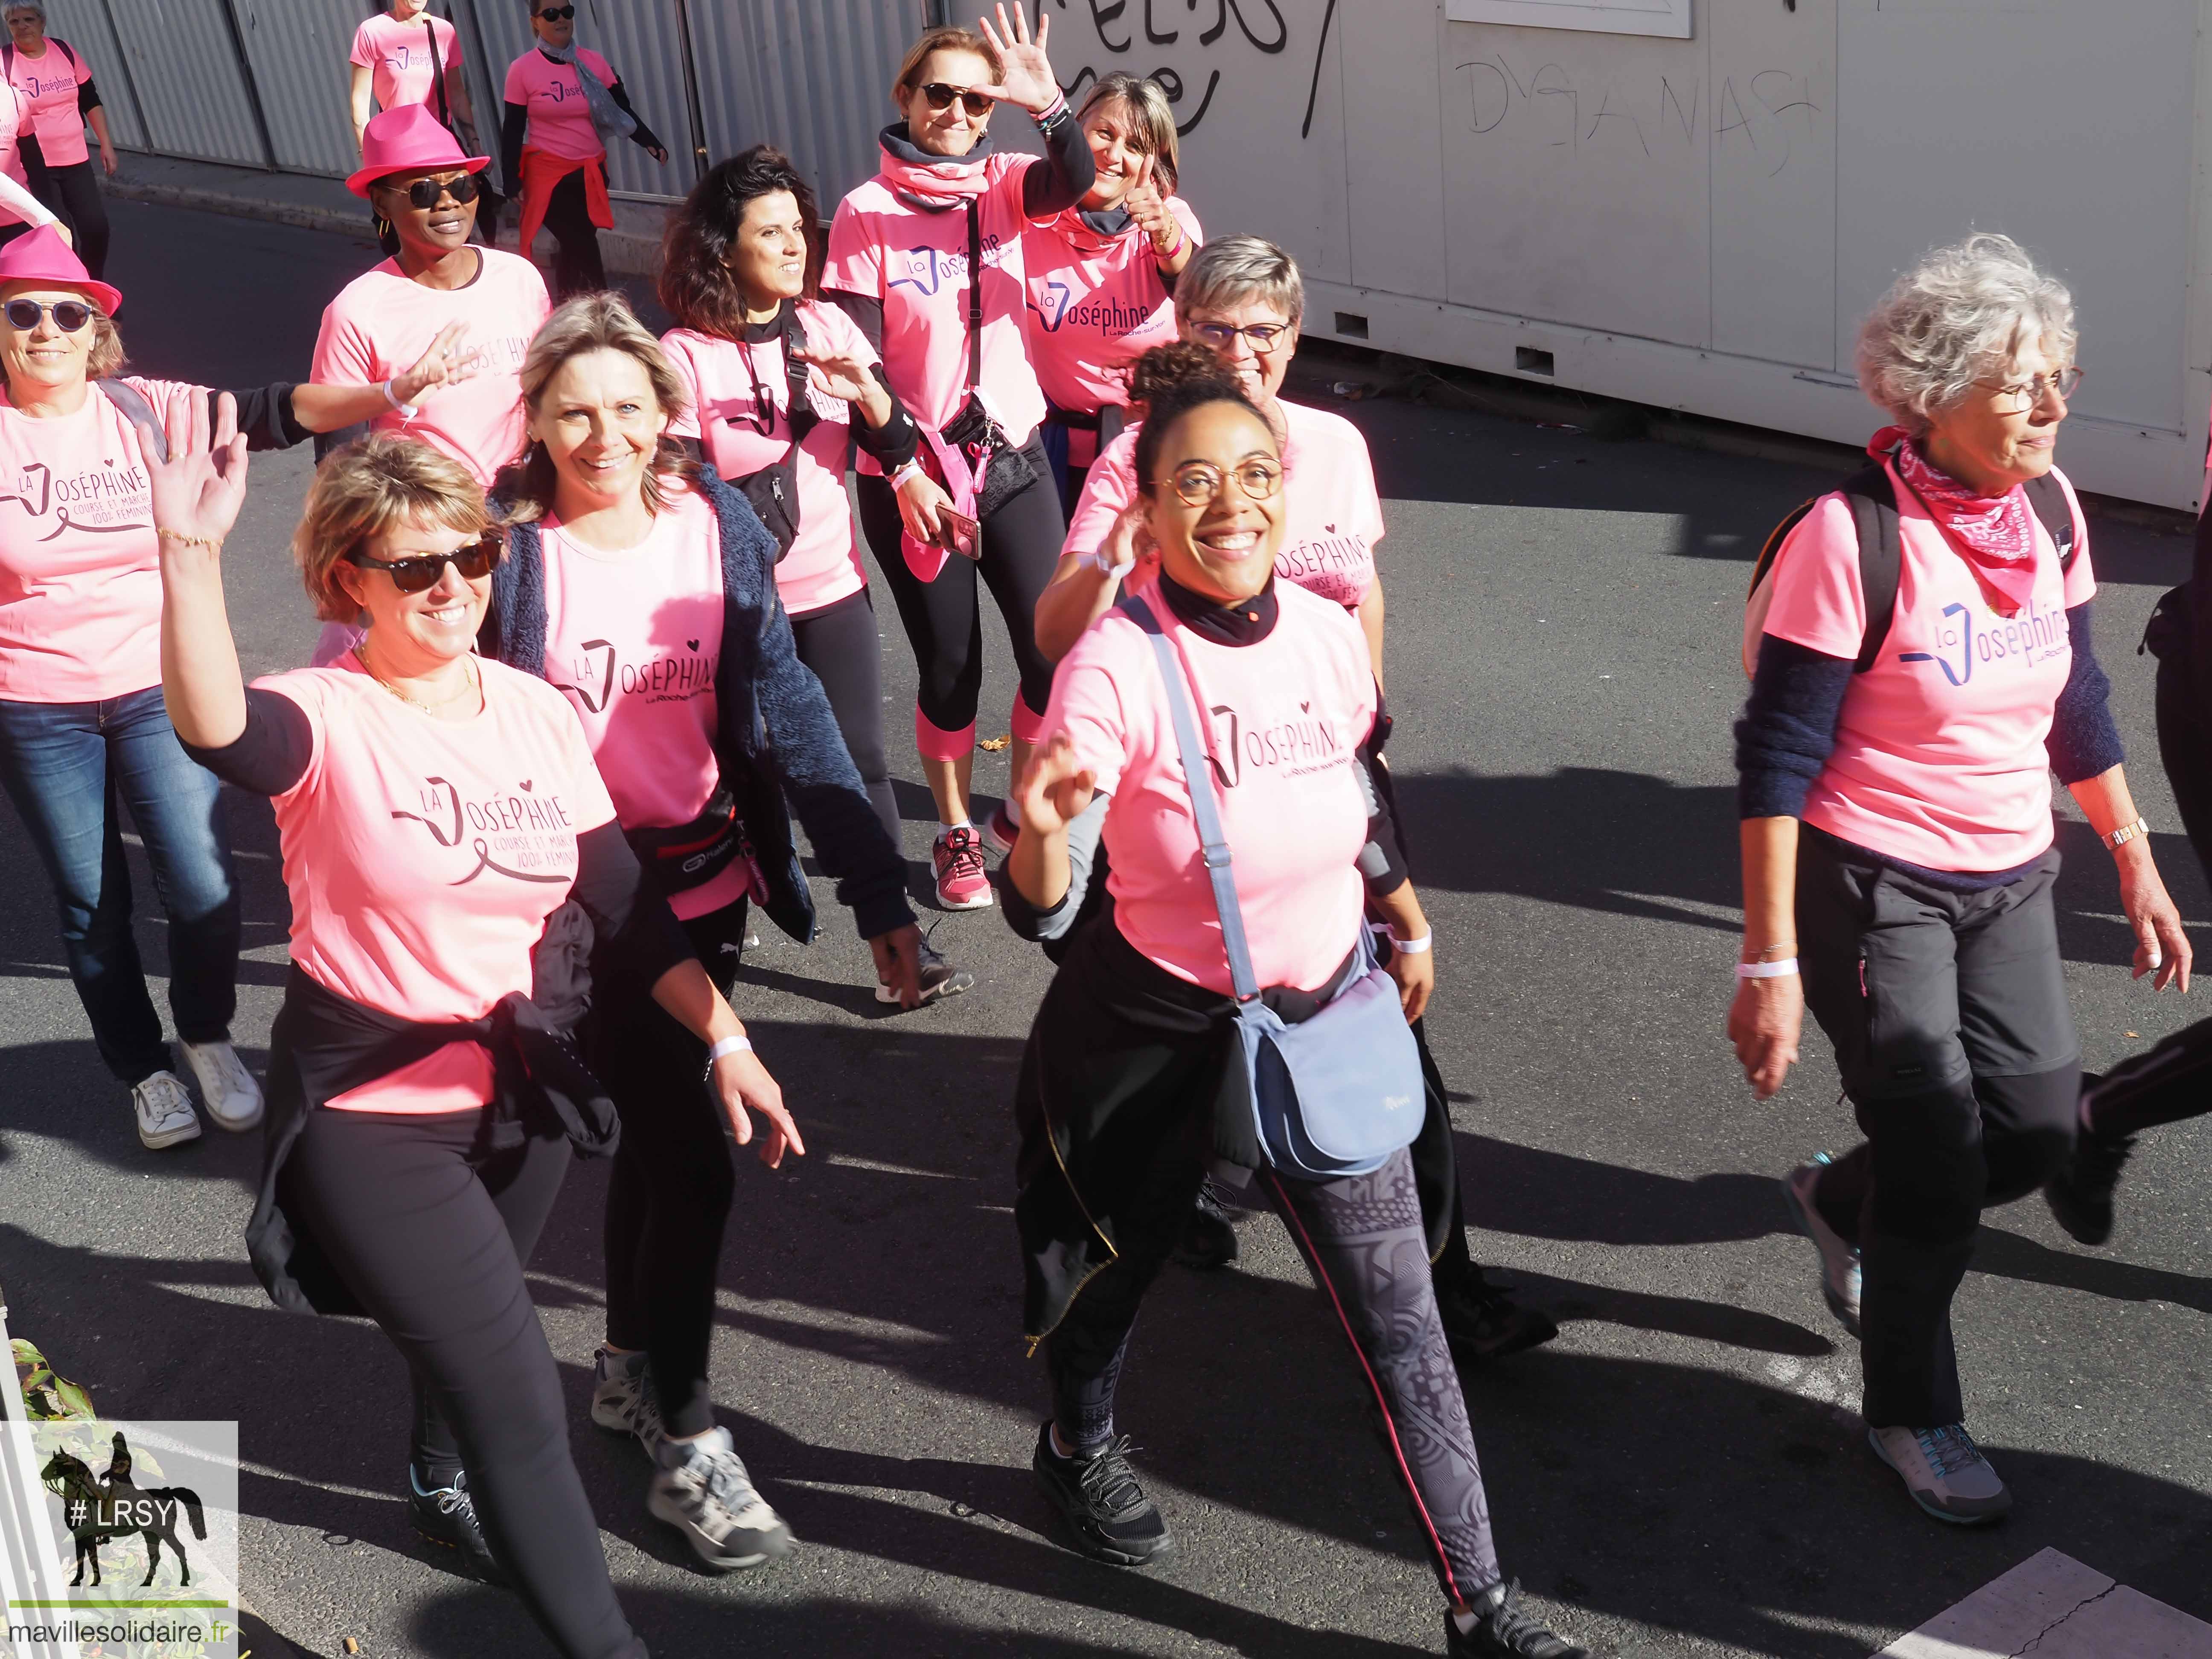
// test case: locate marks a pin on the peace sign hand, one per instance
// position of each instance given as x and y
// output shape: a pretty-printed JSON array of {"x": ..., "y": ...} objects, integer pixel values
[{"x": 1027, "y": 79}]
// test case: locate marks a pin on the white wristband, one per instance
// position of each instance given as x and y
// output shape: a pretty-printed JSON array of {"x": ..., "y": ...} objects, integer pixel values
[
  {"x": 408, "y": 411},
  {"x": 1781, "y": 970},
  {"x": 909, "y": 471},
  {"x": 1413, "y": 947},
  {"x": 1097, "y": 560},
  {"x": 736, "y": 1045}
]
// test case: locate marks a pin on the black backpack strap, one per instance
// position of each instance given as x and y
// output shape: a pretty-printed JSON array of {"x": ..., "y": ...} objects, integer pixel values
[
  {"x": 2048, "y": 497},
  {"x": 1882, "y": 555},
  {"x": 437, "y": 73},
  {"x": 974, "y": 294}
]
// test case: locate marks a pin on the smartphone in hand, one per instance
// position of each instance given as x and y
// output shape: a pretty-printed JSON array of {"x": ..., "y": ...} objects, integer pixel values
[{"x": 958, "y": 533}]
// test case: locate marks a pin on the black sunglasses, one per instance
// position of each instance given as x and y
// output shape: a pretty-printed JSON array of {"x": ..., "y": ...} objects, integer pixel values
[
  {"x": 424, "y": 193},
  {"x": 557, "y": 14},
  {"x": 474, "y": 561},
  {"x": 69, "y": 315},
  {"x": 940, "y": 96}
]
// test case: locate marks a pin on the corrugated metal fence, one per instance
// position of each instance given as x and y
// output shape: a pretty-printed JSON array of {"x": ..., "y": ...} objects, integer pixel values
[{"x": 263, "y": 83}]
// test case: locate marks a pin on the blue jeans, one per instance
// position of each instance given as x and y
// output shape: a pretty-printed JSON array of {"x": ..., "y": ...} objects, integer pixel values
[{"x": 65, "y": 766}]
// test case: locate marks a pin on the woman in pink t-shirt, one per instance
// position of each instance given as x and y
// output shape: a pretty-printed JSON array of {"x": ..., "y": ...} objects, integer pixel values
[
  {"x": 1243, "y": 298},
  {"x": 642, "y": 586},
  {"x": 903, "y": 252},
  {"x": 1894, "y": 766},
  {"x": 406, "y": 56},
  {"x": 56, "y": 86},
  {"x": 1130, "y": 1091},
  {"x": 1101, "y": 273},
  {"x": 563, "y": 102},
  {"x": 452, "y": 855},
  {"x": 83, "y": 732}
]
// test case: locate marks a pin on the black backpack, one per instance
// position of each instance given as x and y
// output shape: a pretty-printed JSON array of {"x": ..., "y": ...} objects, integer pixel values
[{"x": 1882, "y": 555}]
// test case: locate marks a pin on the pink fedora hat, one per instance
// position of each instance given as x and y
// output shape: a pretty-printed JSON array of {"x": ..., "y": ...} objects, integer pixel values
[
  {"x": 407, "y": 140},
  {"x": 43, "y": 256}
]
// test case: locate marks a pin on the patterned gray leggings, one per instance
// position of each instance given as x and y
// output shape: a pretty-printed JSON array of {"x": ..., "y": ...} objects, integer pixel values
[{"x": 1362, "y": 1237}]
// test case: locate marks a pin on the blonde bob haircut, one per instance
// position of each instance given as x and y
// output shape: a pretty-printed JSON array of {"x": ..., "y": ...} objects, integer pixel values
[
  {"x": 1151, "y": 118},
  {"x": 368, "y": 490},
  {"x": 931, "y": 42},
  {"x": 590, "y": 323}
]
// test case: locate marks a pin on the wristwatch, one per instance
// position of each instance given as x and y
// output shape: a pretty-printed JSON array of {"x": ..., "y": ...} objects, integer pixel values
[{"x": 2126, "y": 833}]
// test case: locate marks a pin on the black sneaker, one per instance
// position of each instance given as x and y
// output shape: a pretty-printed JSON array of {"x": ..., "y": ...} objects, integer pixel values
[
  {"x": 1107, "y": 1511},
  {"x": 2081, "y": 1193},
  {"x": 1482, "y": 1322},
  {"x": 447, "y": 1516},
  {"x": 1502, "y": 1630},
  {"x": 939, "y": 977},
  {"x": 1208, "y": 1240}
]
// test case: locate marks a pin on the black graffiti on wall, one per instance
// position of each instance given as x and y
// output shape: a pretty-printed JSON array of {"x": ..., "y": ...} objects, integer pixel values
[{"x": 1111, "y": 19}]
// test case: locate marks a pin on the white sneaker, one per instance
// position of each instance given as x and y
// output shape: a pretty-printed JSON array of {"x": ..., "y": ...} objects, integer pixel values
[
  {"x": 1945, "y": 1471},
  {"x": 227, "y": 1090},
  {"x": 623, "y": 1397},
  {"x": 700, "y": 1487},
  {"x": 165, "y": 1112},
  {"x": 1839, "y": 1258}
]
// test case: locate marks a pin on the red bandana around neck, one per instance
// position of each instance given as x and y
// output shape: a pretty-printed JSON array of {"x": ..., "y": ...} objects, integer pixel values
[{"x": 1995, "y": 534}]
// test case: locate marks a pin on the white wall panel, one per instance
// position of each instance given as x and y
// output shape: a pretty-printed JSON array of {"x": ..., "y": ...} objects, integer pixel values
[
  {"x": 298, "y": 53},
  {"x": 191, "y": 87}
]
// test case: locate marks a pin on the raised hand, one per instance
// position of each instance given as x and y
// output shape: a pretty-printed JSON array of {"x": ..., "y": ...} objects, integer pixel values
[
  {"x": 197, "y": 492},
  {"x": 1026, "y": 77},
  {"x": 844, "y": 375},
  {"x": 1150, "y": 211},
  {"x": 445, "y": 364}
]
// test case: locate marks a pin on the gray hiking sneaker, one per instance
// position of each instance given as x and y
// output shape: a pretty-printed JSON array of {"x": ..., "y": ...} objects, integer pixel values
[
  {"x": 623, "y": 1397},
  {"x": 1839, "y": 1258},
  {"x": 1945, "y": 1471},
  {"x": 700, "y": 1488}
]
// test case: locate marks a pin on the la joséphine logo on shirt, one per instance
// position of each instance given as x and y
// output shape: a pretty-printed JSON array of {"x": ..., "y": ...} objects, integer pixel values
[
  {"x": 599, "y": 675},
  {"x": 104, "y": 500},
  {"x": 1064, "y": 307},
  {"x": 525, "y": 835},
  {"x": 1291, "y": 744},
  {"x": 1966, "y": 635},
  {"x": 929, "y": 269}
]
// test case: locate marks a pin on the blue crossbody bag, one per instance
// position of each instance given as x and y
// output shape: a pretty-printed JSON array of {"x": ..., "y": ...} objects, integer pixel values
[{"x": 1336, "y": 1094}]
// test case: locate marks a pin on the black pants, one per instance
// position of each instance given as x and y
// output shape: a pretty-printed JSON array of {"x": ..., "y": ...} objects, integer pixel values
[
  {"x": 1948, "y": 1015},
  {"x": 1364, "y": 1241},
  {"x": 942, "y": 621},
  {"x": 670, "y": 1196},
  {"x": 431, "y": 1234},
  {"x": 577, "y": 267},
  {"x": 72, "y": 194},
  {"x": 839, "y": 643}
]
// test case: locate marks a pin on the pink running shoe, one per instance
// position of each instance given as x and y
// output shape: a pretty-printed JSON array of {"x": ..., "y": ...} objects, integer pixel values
[{"x": 959, "y": 859}]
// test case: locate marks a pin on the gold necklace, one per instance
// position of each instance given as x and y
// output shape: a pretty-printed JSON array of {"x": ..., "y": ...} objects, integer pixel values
[{"x": 469, "y": 673}]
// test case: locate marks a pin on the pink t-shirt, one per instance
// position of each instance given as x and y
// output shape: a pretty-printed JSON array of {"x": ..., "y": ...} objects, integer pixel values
[
  {"x": 1939, "y": 757},
  {"x": 1287, "y": 714},
  {"x": 823, "y": 565},
  {"x": 633, "y": 638},
  {"x": 1095, "y": 304},
  {"x": 80, "y": 570},
  {"x": 48, "y": 87},
  {"x": 399, "y": 56},
  {"x": 1334, "y": 520},
  {"x": 916, "y": 264},
  {"x": 424, "y": 856},
  {"x": 383, "y": 321},
  {"x": 559, "y": 118}
]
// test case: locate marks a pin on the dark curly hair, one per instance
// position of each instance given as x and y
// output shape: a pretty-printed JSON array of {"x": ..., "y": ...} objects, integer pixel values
[
  {"x": 1171, "y": 380},
  {"x": 698, "y": 287}
]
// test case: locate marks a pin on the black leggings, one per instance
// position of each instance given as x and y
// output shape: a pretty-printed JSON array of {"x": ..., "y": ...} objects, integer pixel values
[
  {"x": 430, "y": 1233},
  {"x": 73, "y": 194},
  {"x": 839, "y": 643},
  {"x": 577, "y": 267},
  {"x": 670, "y": 1196},
  {"x": 944, "y": 622},
  {"x": 1363, "y": 1239}
]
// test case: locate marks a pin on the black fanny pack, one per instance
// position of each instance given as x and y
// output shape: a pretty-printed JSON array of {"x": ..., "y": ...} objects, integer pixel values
[
  {"x": 692, "y": 855},
  {"x": 774, "y": 490},
  {"x": 1001, "y": 471}
]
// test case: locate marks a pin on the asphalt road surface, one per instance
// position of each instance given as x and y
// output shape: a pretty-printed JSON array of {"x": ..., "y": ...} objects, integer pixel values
[{"x": 1680, "y": 1473}]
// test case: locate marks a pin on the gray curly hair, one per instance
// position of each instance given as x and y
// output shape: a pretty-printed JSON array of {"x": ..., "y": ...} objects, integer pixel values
[{"x": 1962, "y": 314}]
